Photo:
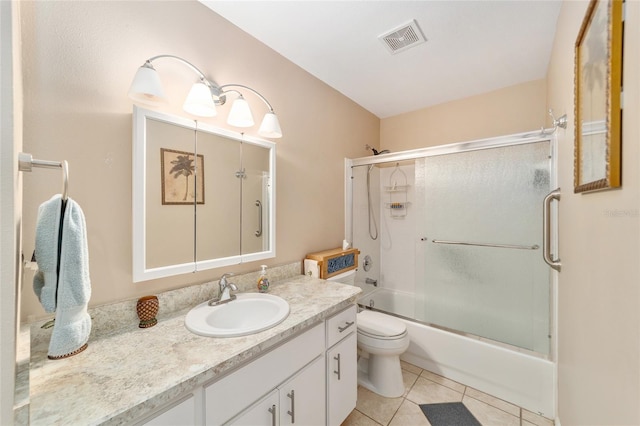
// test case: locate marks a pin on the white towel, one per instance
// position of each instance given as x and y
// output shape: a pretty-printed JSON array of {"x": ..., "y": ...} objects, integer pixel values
[
  {"x": 73, "y": 323},
  {"x": 47, "y": 231}
]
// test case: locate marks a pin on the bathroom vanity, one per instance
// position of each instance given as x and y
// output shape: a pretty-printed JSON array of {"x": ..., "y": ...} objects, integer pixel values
[{"x": 302, "y": 370}]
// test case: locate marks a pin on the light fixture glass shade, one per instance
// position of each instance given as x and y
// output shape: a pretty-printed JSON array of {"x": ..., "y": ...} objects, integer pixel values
[
  {"x": 199, "y": 101},
  {"x": 146, "y": 87},
  {"x": 270, "y": 127},
  {"x": 240, "y": 114}
]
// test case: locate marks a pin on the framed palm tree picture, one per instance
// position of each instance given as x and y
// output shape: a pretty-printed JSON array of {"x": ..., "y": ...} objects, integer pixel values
[{"x": 182, "y": 178}]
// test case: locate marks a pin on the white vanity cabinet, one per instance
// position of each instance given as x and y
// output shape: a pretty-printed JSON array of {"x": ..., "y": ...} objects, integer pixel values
[
  {"x": 296, "y": 365},
  {"x": 309, "y": 380},
  {"x": 342, "y": 365},
  {"x": 182, "y": 411},
  {"x": 298, "y": 401},
  {"x": 263, "y": 412}
]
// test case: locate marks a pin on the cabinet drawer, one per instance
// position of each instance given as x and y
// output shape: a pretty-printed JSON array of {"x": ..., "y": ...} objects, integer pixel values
[
  {"x": 182, "y": 412},
  {"x": 341, "y": 325}
]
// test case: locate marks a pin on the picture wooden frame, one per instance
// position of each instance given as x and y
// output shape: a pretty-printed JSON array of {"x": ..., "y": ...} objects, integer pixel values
[
  {"x": 598, "y": 85},
  {"x": 182, "y": 180}
]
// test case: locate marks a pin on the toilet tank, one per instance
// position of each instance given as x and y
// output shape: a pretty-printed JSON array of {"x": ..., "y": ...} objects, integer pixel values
[
  {"x": 331, "y": 263},
  {"x": 348, "y": 277}
]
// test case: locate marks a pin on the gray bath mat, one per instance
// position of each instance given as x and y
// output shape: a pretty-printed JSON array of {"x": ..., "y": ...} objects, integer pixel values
[{"x": 449, "y": 414}]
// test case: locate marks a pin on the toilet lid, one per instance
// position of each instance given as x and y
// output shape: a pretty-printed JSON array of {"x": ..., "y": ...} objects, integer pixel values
[{"x": 379, "y": 324}]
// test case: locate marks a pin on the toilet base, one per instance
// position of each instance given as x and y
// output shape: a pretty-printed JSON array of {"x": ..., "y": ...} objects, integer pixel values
[{"x": 381, "y": 375}]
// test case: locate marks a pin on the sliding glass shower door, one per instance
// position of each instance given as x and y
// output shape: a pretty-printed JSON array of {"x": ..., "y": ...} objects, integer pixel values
[{"x": 480, "y": 262}]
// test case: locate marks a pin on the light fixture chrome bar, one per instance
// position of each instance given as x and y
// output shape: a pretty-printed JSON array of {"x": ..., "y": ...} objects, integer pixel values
[
  {"x": 222, "y": 97},
  {"x": 507, "y": 246},
  {"x": 146, "y": 88},
  {"x": 213, "y": 86}
]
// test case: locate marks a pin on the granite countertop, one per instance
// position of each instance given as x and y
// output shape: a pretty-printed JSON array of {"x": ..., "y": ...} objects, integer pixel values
[{"x": 121, "y": 377}]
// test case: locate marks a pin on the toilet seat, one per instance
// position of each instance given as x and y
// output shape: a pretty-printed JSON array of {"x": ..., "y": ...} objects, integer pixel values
[
  {"x": 378, "y": 337},
  {"x": 380, "y": 326}
]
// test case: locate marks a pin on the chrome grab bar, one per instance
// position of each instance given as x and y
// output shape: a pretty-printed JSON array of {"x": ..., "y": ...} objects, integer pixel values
[
  {"x": 546, "y": 225},
  {"x": 258, "y": 233},
  {"x": 508, "y": 246}
]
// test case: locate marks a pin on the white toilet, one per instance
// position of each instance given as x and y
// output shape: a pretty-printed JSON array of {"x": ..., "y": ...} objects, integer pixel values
[{"x": 381, "y": 339}]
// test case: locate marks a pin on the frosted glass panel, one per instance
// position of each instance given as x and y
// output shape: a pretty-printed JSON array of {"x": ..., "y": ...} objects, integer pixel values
[{"x": 491, "y": 196}]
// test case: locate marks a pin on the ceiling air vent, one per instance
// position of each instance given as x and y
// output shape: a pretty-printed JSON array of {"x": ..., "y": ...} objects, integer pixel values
[{"x": 403, "y": 38}]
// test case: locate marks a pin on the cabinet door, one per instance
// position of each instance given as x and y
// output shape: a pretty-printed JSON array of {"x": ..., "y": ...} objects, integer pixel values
[
  {"x": 302, "y": 398},
  {"x": 263, "y": 413},
  {"x": 342, "y": 382}
]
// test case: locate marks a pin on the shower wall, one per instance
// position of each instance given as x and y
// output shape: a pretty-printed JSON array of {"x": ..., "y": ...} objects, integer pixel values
[
  {"x": 398, "y": 228},
  {"x": 366, "y": 222},
  {"x": 392, "y": 251}
]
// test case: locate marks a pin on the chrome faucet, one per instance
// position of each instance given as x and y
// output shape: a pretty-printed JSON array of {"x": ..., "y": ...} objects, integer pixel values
[
  {"x": 371, "y": 281},
  {"x": 225, "y": 287}
]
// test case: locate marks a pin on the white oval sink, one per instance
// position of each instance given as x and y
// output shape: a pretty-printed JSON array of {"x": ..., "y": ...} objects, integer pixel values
[{"x": 249, "y": 313}]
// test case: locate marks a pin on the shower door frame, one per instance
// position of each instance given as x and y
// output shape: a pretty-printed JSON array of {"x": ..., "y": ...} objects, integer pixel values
[{"x": 480, "y": 144}]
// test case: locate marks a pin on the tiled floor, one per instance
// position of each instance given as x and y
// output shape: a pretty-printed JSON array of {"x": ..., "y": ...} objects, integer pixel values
[{"x": 424, "y": 387}]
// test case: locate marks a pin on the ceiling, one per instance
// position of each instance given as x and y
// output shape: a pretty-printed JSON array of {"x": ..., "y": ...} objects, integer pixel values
[{"x": 472, "y": 47}]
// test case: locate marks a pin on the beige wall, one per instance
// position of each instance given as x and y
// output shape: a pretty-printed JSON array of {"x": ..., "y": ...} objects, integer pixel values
[
  {"x": 513, "y": 109},
  {"x": 79, "y": 59},
  {"x": 599, "y": 296}
]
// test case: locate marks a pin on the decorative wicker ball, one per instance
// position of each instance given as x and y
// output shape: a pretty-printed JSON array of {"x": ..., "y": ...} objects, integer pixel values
[{"x": 147, "y": 309}]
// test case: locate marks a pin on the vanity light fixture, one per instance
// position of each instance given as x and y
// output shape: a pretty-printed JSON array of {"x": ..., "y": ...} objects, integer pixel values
[
  {"x": 240, "y": 114},
  {"x": 204, "y": 96}
]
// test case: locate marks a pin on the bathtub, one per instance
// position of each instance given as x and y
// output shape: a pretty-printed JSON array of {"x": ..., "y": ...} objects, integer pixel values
[{"x": 515, "y": 375}]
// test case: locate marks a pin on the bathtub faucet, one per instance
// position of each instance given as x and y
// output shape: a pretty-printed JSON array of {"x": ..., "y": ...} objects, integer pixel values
[{"x": 371, "y": 281}]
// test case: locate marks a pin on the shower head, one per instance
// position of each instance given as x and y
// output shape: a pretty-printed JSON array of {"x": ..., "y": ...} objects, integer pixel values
[{"x": 376, "y": 152}]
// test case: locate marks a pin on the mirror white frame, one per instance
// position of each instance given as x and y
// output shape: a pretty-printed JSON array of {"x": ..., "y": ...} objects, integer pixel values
[{"x": 140, "y": 271}]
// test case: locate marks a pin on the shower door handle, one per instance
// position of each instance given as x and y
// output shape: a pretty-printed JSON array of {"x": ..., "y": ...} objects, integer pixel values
[{"x": 546, "y": 225}]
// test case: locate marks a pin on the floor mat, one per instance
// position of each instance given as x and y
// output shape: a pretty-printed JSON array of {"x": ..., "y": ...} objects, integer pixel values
[{"x": 449, "y": 414}]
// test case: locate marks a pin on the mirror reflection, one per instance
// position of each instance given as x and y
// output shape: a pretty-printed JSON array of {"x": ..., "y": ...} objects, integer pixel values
[
  {"x": 255, "y": 199},
  {"x": 174, "y": 244},
  {"x": 202, "y": 196},
  {"x": 218, "y": 219}
]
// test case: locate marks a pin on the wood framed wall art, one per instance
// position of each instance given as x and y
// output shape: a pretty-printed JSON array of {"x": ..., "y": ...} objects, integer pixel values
[
  {"x": 182, "y": 183},
  {"x": 598, "y": 85}
]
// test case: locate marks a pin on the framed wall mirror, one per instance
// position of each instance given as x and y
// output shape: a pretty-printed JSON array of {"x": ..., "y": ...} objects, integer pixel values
[
  {"x": 203, "y": 197},
  {"x": 598, "y": 80}
]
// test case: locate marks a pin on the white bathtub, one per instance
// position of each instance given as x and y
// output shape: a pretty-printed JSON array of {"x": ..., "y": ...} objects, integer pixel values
[{"x": 515, "y": 376}]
